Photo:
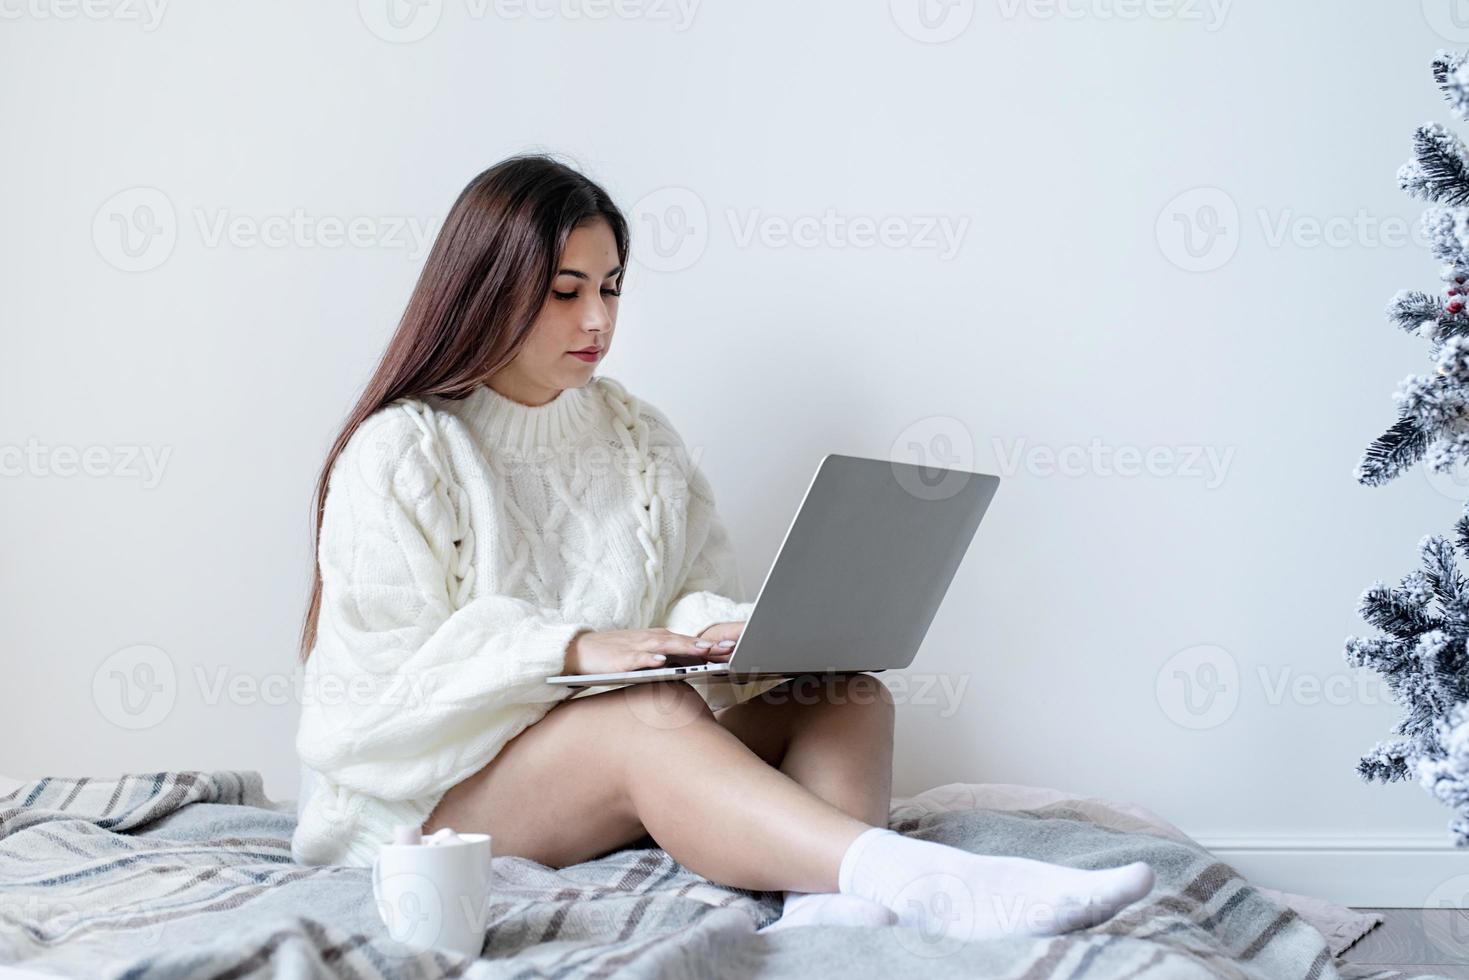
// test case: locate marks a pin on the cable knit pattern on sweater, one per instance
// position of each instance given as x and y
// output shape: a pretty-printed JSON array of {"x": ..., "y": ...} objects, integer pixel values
[{"x": 463, "y": 544}]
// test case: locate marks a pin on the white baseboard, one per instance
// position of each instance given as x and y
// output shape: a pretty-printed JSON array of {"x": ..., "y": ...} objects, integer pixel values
[
  {"x": 21, "y": 973},
  {"x": 1382, "y": 871}
]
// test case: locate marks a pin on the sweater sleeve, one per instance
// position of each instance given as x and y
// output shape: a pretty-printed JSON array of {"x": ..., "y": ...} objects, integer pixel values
[
  {"x": 410, "y": 688},
  {"x": 708, "y": 590}
]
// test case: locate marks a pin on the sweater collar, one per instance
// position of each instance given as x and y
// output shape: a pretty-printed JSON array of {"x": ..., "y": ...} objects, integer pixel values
[{"x": 508, "y": 424}]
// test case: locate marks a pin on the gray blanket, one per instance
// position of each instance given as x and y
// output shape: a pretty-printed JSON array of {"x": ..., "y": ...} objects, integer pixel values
[{"x": 189, "y": 875}]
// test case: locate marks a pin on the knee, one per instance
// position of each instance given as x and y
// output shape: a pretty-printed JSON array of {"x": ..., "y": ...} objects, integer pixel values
[
  {"x": 869, "y": 688},
  {"x": 860, "y": 692},
  {"x": 662, "y": 706},
  {"x": 869, "y": 692}
]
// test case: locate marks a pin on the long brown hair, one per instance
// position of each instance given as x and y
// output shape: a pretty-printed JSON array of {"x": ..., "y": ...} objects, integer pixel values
[{"x": 482, "y": 285}]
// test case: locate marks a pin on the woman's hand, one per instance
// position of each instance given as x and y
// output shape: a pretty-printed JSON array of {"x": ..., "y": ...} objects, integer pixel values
[
  {"x": 614, "y": 650},
  {"x": 723, "y": 636}
]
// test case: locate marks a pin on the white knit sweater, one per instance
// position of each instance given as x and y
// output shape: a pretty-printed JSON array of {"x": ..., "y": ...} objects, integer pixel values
[{"x": 463, "y": 544}]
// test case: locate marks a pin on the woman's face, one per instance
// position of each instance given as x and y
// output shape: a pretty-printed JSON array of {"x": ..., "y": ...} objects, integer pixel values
[{"x": 579, "y": 312}]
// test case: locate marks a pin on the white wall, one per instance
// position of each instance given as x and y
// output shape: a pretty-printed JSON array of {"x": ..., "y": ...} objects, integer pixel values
[{"x": 1054, "y": 141}]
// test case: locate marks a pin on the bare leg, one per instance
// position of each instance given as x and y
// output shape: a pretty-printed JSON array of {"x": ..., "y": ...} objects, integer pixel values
[
  {"x": 597, "y": 773},
  {"x": 831, "y": 734}
]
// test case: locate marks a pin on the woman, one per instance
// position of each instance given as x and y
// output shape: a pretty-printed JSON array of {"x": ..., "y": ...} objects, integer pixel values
[{"x": 493, "y": 514}]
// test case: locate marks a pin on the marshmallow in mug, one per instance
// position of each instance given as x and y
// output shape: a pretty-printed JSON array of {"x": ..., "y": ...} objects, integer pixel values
[{"x": 410, "y": 834}]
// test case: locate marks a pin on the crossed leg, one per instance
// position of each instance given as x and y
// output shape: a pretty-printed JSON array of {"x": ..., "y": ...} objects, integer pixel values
[
  {"x": 831, "y": 734},
  {"x": 765, "y": 796},
  {"x": 768, "y": 796}
]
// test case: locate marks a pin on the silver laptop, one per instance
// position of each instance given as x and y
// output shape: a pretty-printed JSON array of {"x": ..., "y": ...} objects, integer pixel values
[{"x": 858, "y": 577}]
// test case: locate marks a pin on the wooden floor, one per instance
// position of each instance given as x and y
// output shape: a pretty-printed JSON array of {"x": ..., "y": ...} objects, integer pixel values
[{"x": 1434, "y": 941}]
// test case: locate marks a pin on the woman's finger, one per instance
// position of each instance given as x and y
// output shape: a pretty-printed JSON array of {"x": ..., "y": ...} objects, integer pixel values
[
  {"x": 723, "y": 631},
  {"x": 662, "y": 641},
  {"x": 719, "y": 652},
  {"x": 677, "y": 645}
]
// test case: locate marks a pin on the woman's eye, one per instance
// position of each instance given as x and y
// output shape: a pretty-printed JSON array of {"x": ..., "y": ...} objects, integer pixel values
[{"x": 572, "y": 295}]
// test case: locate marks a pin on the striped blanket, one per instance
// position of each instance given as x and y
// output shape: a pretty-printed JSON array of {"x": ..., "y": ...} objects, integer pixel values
[{"x": 189, "y": 875}]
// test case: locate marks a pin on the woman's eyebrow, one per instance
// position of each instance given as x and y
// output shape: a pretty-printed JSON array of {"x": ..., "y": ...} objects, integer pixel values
[{"x": 582, "y": 275}]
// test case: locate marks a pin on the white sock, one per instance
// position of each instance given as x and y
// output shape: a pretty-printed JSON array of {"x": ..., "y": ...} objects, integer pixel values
[
  {"x": 945, "y": 890},
  {"x": 830, "y": 909}
]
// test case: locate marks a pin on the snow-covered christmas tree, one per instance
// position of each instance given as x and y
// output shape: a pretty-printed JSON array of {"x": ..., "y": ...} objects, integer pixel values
[{"x": 1424, "y": 656}]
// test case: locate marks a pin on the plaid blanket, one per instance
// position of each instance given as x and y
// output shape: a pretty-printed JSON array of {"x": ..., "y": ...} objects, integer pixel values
[{"x": 189, "y": 875}]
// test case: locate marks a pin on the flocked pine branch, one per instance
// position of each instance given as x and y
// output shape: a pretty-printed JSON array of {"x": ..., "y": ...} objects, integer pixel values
[
  {"x": 1422, "y": 650},
  {"x": 1415, "y": 311},
  {"x": 1450, "y": 73},
  {"x": 1392, "y": 452},
  {"x": 1439, "y": 170}
]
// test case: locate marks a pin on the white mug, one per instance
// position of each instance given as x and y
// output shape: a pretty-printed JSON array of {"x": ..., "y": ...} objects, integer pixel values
[{"x": 435, "y": 896}]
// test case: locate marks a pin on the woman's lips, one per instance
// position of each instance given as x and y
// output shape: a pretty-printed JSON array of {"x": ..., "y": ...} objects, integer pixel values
[{"x": 588, "y": 356}]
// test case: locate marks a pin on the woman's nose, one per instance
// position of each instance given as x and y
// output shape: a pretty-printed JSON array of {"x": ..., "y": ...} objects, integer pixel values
[{"x": 597, "y": 319}]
